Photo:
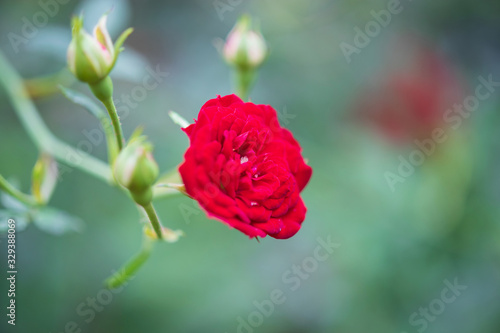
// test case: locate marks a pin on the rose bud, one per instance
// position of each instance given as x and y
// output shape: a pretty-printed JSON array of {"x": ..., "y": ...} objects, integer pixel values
[
  {"x": 244, "y": 47},
  {"x": 244, "y": 169},
  {"x": 44, "y": 178},
  {"x": 136, "y": 170},
  {"x": 91, "y": 58}
]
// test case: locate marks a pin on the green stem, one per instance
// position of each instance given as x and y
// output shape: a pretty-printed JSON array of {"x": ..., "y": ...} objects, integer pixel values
[
  {"x": 110, "y": 106},
  {"x": 14, "y": 192},
  {"x": 131, "y": 267},
  {"x": 38, "y": 131},
  {"x": 103, "y": 90},
  {"x": 95, "y": 110},
  {"x": 245, "y": 78},
  {"x": 153, "y": 218}
]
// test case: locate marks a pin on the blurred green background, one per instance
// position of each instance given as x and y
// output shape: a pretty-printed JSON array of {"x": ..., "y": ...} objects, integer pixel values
[{"x": 354, "y": 120}]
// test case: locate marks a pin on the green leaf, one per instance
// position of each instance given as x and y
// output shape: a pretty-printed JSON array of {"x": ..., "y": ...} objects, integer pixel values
[
  {"x": 168, "y": 184},
  {"x": 176, "y": 187},
  {"x": 83, "y": 100},
  {"x": 120, "y": 40},
  {"x": 178, "y": 119},
  {"x": 5, "y": 215},
  {"x": 13, "y": 204},
  {"x": 88, "y": 104},
  {"x": 118, "y": 45},
  {"x": 137, "y": 134},
  {"x": 172, "y": 176},
  {"x": 57, "y": 222}
]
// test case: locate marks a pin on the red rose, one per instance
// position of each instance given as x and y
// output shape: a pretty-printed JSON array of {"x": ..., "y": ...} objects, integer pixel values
[
  {"x": 410, "y": 102},
  {"x": 245, "y": 169}
]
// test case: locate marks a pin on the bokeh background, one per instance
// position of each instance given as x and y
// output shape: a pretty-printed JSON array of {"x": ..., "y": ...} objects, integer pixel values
[{"x": 355, "y": 119}]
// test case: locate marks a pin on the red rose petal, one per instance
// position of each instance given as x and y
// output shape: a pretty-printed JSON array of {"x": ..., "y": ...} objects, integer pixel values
[{"x": 271, "y": 227}]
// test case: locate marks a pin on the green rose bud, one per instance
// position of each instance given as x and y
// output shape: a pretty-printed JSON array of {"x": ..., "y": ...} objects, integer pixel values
[
  {"x": 244, "y": 47},
  {"x": 136, "y": 170},
  {"x": 92, "y": 57},
  {"x": 44, "y": 178}
]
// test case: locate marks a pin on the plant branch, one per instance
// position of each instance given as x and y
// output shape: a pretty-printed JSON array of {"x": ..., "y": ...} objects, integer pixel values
[
  {"x": 110, "y": 106},
  {"x": 38, "y": 131},
  {"x": 95, "y": 110},
  {"x": 130, "y": 268},
  {"x": 153, "y": 218},
  {"x": 103, "y": 91},
  {"x": 14, "y": 192},
  {"x": 245, "y": 78}
]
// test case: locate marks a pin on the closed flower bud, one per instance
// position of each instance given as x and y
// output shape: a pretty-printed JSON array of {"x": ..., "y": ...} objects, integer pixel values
[
  {"x": 244, "y": 47},
  {"x": 44, "y": 178},
  {"x": 136, "y": 170},
  {"x": 91, "y": 57}
]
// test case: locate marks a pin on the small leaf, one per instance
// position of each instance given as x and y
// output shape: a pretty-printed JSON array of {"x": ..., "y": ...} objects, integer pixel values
[
  {"x": 118, "y": 45},
  {"x": 168, "y": 184},
  {"x": 5, "y": 215},
  {"x": 178, "y": 119},
  {"x": 57, "y": 222},
  {"x": 172, "y": 236},
  {"x": 120, "y": 40},
  {"x": 172, "y": 176},
  {"x": 84, "y": 101},
  {"x": 13, "y": 204},
  {"x": 169, "y": 235},
  {"x": 136, "y": 134},
  {"x": 178, "y": 187},
  {"x": 88, "y": 104}
]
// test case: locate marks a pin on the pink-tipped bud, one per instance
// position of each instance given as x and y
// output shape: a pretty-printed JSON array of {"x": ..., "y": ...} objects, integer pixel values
[
  {"x": 244, "y": 47},
  {"x": 92, "y": 57}
]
